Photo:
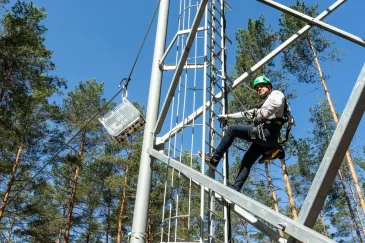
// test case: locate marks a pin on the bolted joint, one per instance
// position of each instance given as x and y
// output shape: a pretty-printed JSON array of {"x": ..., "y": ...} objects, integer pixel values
[
  {"x": 282, "y": 226},
  {"x": 136, "y": 235}
]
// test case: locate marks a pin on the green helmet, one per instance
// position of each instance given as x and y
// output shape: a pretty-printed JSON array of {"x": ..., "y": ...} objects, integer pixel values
[{"x": 261, "y": 80}]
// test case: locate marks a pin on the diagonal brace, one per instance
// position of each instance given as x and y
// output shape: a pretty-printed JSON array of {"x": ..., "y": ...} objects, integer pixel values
[
  {"x": 335, "y": 153},
  {"x": 290, "y": 226},
  {"x": 316, "y": 22},
  {"x": 180, "y": 66},
  {"x": 254, "y": 68},
  {"x": 273, "y": 235}
]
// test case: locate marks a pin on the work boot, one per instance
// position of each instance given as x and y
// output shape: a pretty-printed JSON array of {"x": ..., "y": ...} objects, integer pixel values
[
  {"x": 211, "y": 159},
  {"x": 232, "y": 187}
]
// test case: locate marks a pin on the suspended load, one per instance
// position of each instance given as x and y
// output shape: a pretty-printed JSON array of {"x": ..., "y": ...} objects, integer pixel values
[{"x": 123, "y": 120}]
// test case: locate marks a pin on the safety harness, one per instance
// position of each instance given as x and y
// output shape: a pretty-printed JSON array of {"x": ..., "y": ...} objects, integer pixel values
[
  {"x": 287, "y": 118},
  {"x": 279, "y": 153}
]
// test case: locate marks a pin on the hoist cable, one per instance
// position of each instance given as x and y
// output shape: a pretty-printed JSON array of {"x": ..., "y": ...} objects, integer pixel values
[
  {"x": 141, "y": 47},
  {"x": 92, "y": 118}
]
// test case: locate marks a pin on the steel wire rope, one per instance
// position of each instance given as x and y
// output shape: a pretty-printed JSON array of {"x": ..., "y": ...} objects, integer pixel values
[{"x": 95, "y": 115}]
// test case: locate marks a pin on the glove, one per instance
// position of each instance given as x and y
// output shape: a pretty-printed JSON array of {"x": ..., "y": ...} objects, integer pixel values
[
  {"x": 257, "y": 120},
  {"x": 250, "y": 114},
  {"x": 223, "y": 117}
]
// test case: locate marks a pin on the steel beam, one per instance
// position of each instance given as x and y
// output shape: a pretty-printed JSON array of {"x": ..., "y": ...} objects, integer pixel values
[
  {"x": 169, "y": 67},
  {"x": 335, "y": 153},
  {"x": 316, "y": 22},
  {"x": 180, "y": 66},
  {"x": 196, "y": 114},
  {"x": 139, "y": 226},
  {"x": 290, "y": 226},
  {"x": 273, "y": 235},
  {"x": 181, "y": 32}
]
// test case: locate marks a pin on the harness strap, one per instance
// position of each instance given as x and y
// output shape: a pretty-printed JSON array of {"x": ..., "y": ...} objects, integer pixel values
[
  {"x": 280, "y": 122},
  {"x": 286, "y": 136}
]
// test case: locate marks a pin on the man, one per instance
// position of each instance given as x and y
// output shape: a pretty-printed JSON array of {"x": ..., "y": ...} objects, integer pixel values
[{"x": 264, "y": 133}]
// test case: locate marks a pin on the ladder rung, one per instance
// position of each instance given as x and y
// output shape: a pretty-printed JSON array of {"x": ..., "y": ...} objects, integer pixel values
[
  {"x": 229, "y": 6},
  {"x": 216, "y": 214},
  {"x": 215, "y": 20},
  {"x": 214, "y": 40},
  {"x": 214, "y": 130},
  {"x": 194, "y": 58},
  {"x": 218, "y": 10},
  {"x": 216, "y": 30},
  {"x": 228, "y": 39},
  {"x": 218, "y": 86},
  {"x": 211, "y": 77},
  {"x": 175, "y": 217},
  {"x": 210, "y": 236},
  {"x": 214, "y": 15},
  {"x": 170, "y": 67}
]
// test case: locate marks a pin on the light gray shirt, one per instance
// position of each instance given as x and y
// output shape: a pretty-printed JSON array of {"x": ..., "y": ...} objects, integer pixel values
[{"x": 273, "y": 107}]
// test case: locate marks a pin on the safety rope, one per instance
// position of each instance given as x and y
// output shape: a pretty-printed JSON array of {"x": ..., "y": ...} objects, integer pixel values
[
  {"x": 125, "y": 86},
  {"x": 93, "y": 117}
]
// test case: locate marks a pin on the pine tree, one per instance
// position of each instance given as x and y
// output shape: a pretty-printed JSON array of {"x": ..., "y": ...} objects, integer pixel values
[
  {"x": 254, "y": 43},
  {"x": 273, "y": 193},
  {"x": 25, "y": 110},
  {"x": 83, "y": 102},
  {"x": 303, "y": 61}
]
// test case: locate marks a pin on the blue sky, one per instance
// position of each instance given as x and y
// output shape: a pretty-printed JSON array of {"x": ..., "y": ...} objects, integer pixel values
[{"x": 93, "y": 39}]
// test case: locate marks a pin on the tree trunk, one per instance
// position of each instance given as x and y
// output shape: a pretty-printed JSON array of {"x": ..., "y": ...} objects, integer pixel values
[
  {"x": 59, "y": 236},
  {"x": 335, "y": 118},
  {"x": 73, "y": 195},
  {"x": 71, "y": 206},
  {"x": 323, "y": 224},
  {"x": 108, "y": 218},
  {"x": 347, "y": 198},
  {"x": 349, "y": 206},
  {"x": 288, "y": 190},
  {"x": 276, "y": 206},
  {"x": 352, "y": 231},
  {"x": 120, "y": 217},
  {"x": 10, "y": 182},
  {"x": 88, "y": 230},
  {"x": 246, "y": 231},
  {"x": 10, "y": 230},
  {"x": 356, "y": 206},
  {"x": 123, "y": 201}
]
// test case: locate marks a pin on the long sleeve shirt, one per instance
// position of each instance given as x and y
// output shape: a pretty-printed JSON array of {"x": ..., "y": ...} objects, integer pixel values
[{"x": 273, "y": 107}]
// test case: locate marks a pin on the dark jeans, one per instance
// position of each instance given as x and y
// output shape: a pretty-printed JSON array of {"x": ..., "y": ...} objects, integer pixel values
[{"x": 257, "y": 148}]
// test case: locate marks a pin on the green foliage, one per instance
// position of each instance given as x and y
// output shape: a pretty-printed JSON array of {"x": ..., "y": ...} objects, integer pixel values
[
  {"x": 180, "y": 193},
  {"x": 254, "y": 43},
  {"x": 26, "y": 117},
  {"x": 41, "y": 216},
  {"x": 82, "y": 103},
  {"x": 299, "y": 58},
  {"x": 309, "y": 152}
]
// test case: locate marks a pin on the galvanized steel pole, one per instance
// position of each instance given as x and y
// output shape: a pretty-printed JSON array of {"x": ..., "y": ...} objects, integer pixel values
[
  {"x": 139, "y": 226},
  {"x": 334, "y": 155}
]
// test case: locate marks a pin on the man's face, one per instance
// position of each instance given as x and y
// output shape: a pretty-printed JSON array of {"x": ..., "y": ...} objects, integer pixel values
[{"x": 263, "y": 90}]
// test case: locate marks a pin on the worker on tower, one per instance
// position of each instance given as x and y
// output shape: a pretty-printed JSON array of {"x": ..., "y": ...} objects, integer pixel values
[{"x": 263, "y": 133}]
